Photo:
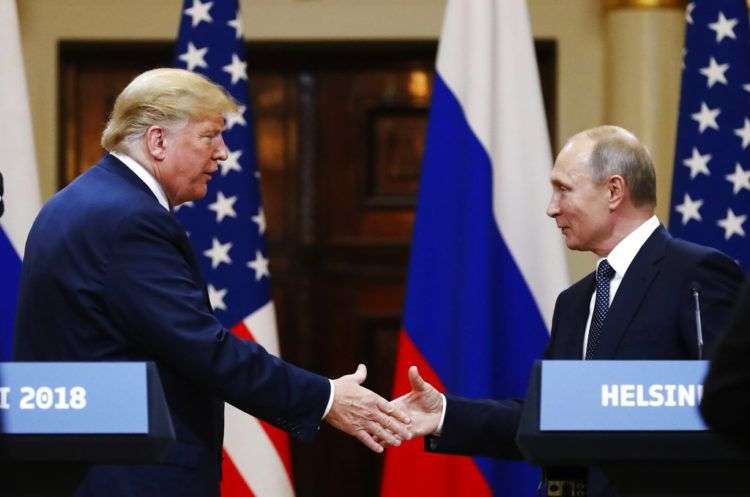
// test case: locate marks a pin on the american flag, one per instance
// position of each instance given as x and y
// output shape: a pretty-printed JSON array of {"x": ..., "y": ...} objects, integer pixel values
[
  {"x": 226, "y": 229},
  {"x": 711, "y": 185}
]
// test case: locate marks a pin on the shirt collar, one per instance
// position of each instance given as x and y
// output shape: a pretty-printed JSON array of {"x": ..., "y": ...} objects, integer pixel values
[
  {"x": 625, "y": 251},
  {"x": 145, "y": 176}
]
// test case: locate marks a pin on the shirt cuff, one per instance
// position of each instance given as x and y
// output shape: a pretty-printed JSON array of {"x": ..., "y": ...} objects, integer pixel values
[
  {"x": 439, "y": 429},
  {"x": 330, "y": 401}
]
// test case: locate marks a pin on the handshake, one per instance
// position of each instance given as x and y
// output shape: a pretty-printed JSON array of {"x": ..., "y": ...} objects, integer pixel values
[{"x": 378, "y": 423}]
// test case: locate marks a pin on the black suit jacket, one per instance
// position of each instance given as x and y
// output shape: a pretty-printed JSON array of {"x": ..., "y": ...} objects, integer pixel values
[
  {"x": 651, "y": 317},
  {"x": 726, "y": 391},
  {"x": 109, "y": 275}
]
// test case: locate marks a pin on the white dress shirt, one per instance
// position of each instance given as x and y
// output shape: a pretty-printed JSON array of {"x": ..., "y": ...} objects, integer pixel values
[
  {"x": 158, "y": 192},
  {"x": 620, "y": 258}
]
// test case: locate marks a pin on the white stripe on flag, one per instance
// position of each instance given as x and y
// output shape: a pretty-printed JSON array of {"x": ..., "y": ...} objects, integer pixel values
[
  {"x": 503, "y": 104},
  {"x": 254, "y": 455},
  {"x": 262, "y": 325},
  {"x": 16, "y": 146}
]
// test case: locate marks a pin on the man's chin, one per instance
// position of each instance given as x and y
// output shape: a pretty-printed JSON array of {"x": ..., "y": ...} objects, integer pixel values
[
  {"x": 200, "y": 192},
  {"x": 572, "y": 244}
]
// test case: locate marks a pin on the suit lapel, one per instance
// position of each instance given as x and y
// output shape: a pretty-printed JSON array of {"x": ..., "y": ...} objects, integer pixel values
[
  {"x": 114, "y": 165},
  {"x": 192, "y": 258},
  {"x": 572, "y": 347},
  {"x": 630, "y": 294}
]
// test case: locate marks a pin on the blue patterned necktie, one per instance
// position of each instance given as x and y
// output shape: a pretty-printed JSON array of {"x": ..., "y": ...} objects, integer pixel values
[{"x": 604, "y": 274}]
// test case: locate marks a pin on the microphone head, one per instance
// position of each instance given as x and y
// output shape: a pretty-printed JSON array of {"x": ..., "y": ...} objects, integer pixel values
[{"x": 695, "y": 287}]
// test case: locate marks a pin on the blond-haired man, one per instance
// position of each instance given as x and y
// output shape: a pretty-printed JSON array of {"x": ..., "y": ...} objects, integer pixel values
[{"x": 109, "y": 275}]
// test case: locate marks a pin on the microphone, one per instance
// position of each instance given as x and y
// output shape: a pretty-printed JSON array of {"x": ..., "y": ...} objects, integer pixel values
[
  {"x": 2, "y": 206},
  {"x": 695, "y": 287}
]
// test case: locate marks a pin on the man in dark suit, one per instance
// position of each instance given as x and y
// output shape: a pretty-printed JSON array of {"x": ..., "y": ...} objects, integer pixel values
[
  {"x": 635, "y": 305},
  {"x": 726, "y": 391},
  {"x": 109, "y": 275}
]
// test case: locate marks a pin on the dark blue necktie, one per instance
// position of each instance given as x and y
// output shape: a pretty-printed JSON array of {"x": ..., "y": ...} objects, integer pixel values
[{"x": 604, "y": 274}]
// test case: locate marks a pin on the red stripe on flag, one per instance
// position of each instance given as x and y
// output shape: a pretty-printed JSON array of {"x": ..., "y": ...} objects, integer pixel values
[
  {"x": 232, "y": 482},
  {"x": 241, "y": 331},
  {"x": 278, "y": 437},
  {"x": 409, "y": 469}
]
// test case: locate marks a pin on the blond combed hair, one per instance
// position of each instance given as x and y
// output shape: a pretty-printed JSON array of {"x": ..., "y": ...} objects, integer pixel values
[{"x": 162, "y": 97}]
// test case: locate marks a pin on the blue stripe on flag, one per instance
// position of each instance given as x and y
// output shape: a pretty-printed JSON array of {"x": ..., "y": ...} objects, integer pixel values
[
  {"x": 469, "y": 310},
  {"x": 11, "y": 265}
]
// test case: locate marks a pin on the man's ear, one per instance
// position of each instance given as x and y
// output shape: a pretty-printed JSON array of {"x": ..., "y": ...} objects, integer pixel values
[
  {"x": 616, "y": 187},
  {"x": 156, "y": 142}
]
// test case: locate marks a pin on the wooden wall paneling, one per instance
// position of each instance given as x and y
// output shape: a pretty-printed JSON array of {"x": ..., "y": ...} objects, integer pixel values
[
  {"x": 308, "y": 153},
  {"x": 91, "y": 77}
]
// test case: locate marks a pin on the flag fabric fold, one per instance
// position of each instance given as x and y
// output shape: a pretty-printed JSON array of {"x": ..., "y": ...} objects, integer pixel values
[
  {"x": 19, "y": 171},
  {"x": 486, "y": 263},
  {"x": 711, "y": 180},
  {"x": 227, "y": 230}
]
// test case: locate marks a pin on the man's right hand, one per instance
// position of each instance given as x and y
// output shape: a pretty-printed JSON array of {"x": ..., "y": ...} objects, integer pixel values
[
  {"x": 424, "y": 404},
  {"x": 366, "y": 415}
]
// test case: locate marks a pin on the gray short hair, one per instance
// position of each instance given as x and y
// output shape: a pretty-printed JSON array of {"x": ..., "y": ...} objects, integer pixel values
[{"x": 618, "y": 151}]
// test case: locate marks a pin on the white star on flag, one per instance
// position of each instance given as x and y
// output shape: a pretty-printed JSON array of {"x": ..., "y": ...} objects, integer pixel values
[
  {"x": 216, "y": 297},
  {"x": 238, "y": 117},
  {"x": 740, "y": 179},
  {"x": 746, "y": 87},
  {"x": 223, "y": 207},
  {"x": 723, "y": 27},
  {"x": 706, "y": 118},
  {"x": 232, "y": 163},
  {"x": 732, "y": 224},
  {"x": 237, "y": 69},
  {"x": 689, "y": 209},
  {"x": 698, "y": 164},
  {"x": 714, "y": 72},
  {"x": 236, "y": 23},
  {"x": 259, "y": 265},
  {"x": 218, "y": 253},
  {"x": 689, "y": 12},
  {"x": 194, "y": 57},
  {"x": 744, "y": 133},
  {"x": 199, "y": 12},
  {"x": 260, "y": 220}
]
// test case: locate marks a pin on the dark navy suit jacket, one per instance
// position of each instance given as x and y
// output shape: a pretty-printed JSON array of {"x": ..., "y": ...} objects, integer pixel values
[
  {"x": 109, "y": 275},
  {"x": 651, "y": 317},
  {"x": 726, "y": 393}
]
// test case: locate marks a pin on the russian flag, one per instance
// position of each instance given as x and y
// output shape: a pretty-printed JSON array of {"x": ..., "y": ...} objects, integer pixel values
[
  {"x": 18, "y": 168},
  {"x": 486, "y": 263}
]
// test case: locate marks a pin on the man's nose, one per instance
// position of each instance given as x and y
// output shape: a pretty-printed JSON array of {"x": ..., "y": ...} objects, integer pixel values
[
  {"x": 221, "y": 153},
  {"x": 553, "y": 209}
]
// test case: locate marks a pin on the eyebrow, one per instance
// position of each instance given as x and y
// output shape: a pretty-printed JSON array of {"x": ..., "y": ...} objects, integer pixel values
[{"x": 557, "y": 181}]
